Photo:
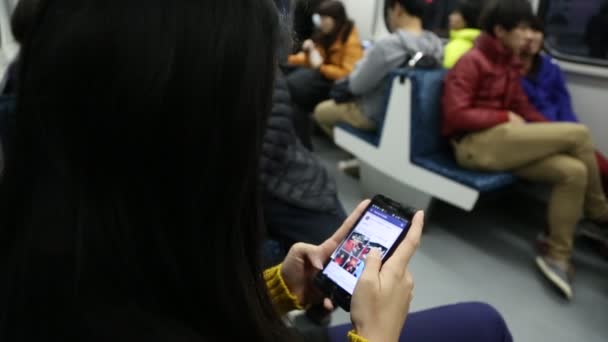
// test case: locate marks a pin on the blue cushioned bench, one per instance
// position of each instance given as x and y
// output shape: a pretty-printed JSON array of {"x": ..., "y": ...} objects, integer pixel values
[{"x": 410, "y": 139}]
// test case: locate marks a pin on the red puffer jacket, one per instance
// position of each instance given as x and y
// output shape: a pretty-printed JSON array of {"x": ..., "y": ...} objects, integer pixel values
[{"x": 482, "y": 88}]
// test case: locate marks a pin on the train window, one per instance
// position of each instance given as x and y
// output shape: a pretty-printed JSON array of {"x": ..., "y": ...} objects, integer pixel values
[{"x": 577, "y": 30}]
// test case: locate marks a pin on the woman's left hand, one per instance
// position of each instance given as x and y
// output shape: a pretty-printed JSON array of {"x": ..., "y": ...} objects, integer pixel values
[{"x": 304, "y": 261}]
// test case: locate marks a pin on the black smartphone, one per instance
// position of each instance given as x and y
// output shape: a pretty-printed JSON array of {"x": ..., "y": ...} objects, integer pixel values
[{"x": 382, "y": 226}]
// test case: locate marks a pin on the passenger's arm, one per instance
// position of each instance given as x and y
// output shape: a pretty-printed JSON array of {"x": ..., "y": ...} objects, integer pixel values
[
  {"x": 566, "y": 111},
  {"x": 283, "y": 300},
  {"x": 371, "y": 71},
  {"x": 439, "y": 50},
  {"x": 460, "y": 89},
  {"x": 300, "y": 59},
  {"x": 352, "y": 54},
  {"x": 522, "y": 106}
]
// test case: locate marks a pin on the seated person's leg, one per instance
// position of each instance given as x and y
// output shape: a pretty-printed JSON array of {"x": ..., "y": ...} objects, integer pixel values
[
  {"x": 602, "y": 163},
  {"x": 291, "y": 224},
  {"x": 329, "y": 113},
  {"x": 569, "y": 177},
  {"x": 308, "y": 88},
  {"x": 469, "y": 322},
  {"x": 508, "y": 147}
]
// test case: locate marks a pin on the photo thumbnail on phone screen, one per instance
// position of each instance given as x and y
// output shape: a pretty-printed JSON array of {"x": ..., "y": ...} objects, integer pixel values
[{"x": 377, "y": 229}]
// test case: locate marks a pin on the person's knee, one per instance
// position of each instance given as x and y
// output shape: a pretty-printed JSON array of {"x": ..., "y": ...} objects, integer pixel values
[
  {"x": 574, "y": 171},
  {"x": 579, "y": 133},
  {"x": 490, "y": 319},
  {"x": 324, "y": 111}
]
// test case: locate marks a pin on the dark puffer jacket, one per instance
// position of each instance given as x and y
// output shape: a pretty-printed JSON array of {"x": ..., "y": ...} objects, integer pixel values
[{"x": 289, "y": 171}]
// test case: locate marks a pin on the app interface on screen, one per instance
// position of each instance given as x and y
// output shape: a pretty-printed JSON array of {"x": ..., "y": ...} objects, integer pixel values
[{"x": 378, "y": 229}]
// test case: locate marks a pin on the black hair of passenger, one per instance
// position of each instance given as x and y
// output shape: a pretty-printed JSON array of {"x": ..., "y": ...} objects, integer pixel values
[
  {"x": 415, "y": 8},
  {"x": 343, "y": 25},
  {"x": 537, "y": 24},
  {"x": 134, "y": 174},
  {"x": 508, "y": 14},
  {"x": 470, "y": 11},
  {"x": 24, "y": 18}
]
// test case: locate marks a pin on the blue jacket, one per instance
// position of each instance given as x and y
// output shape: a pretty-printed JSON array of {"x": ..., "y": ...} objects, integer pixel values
[{"x": 546, "y": 89}]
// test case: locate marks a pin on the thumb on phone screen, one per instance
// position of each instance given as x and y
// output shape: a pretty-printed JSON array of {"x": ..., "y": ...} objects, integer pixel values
[{"x": 382, "y": 297}]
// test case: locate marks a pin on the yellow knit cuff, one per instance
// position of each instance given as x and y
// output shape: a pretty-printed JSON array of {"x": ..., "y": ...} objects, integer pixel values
[
  {"x": 282, "y": 298},
  {"x": 353, "y": 337}
]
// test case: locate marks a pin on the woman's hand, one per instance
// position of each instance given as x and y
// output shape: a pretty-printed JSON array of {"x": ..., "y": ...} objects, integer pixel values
[
  {"x": 315, "y": 58},
  {"x": 304, "y": 261},
  {"x": 308, "y": 45},
  {"x": 382, "y": 298}
]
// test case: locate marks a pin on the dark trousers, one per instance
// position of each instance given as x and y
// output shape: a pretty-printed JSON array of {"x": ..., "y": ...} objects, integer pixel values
[
  {"x": 292, "y": 224},
  {"x": 288, "y": 224},
  {"x": 307, "y": 88},
  {"x": 468, "y": 322}
]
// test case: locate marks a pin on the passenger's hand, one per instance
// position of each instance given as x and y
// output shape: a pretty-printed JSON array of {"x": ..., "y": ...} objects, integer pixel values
[
  {"x": 516, "y": 119},
  {"x": 308, "y": 45},
  {"x": 304, "y": 261},
  {"x": 315, "y": 59},
  {"x": 382, "y": 298}
]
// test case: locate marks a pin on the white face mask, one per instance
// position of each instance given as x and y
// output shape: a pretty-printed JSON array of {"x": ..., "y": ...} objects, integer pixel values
[{"x": 316, "y": 19}]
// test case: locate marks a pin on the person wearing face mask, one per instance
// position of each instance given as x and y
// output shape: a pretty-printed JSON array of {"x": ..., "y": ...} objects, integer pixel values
[
  {"x": 464, "y": 30},
  {"x": 545, "y": 86},
  {"x": 303, "y": 25},
  {"x": 330, "y": 55}
]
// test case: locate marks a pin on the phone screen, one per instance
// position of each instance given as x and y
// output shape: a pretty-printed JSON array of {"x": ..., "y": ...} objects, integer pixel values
[{"x": 377, "y": 229}]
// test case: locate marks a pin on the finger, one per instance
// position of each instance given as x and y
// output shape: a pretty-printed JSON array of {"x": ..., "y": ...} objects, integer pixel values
[
  {"x": 328, "y": 304},
  {"x": 373, "y": 262},
  {"x": 314, "y": 255},
  {"x": 406, "y": 249},
  {"x": 341, "y": 233}
]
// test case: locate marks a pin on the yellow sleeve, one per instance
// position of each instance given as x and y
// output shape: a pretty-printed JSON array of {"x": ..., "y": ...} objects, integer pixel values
[
  {"x": 353, "y": 337},
  {"x": 285, "y": 301},
  {"x": 280, "y": 295},
  {"x": 300, "y": 59}
]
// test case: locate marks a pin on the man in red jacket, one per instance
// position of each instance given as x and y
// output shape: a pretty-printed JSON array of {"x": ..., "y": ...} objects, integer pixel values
[{"x": 493, "y": 127}]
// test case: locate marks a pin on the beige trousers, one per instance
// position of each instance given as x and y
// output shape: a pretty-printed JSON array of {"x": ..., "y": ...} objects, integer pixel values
[
  {"x": 329, "y": 113},
  {"x": 561, "y": 154}
]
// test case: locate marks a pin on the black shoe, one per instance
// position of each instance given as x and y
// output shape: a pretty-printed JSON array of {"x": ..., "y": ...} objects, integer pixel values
[{"x": 598, "y": 234}]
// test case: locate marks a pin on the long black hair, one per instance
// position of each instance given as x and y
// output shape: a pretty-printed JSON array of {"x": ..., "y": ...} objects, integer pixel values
[
  {"x": 343, "y": 27},
  {"x": 23, "y": 18},
  {"x": 133, "y": 181},
  {"x": 470, "y": 11}
]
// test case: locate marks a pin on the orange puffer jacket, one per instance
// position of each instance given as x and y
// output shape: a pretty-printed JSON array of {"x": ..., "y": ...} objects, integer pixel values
[{"x": 342, "y": 57}]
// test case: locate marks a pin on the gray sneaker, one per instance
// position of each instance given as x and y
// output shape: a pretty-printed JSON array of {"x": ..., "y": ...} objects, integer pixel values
[{"x": 559, "y": 277}]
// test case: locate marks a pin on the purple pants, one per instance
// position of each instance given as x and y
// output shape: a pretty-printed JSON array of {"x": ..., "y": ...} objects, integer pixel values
[{"x": 467, "y": 322}]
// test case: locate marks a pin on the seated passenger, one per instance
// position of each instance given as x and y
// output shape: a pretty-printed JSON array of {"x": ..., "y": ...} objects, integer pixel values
[
  {"x": 331, "y": 55},
  {"x": 464, "y": 30},
  {"x": 368, "y": 80},
  {"x": 545, "y": 86},
  {"x": 300, "y": 197},
  {"x": 119, "y": 224},
  {"x": 303, "y": 22},
  {"x": 493, "y": 127}
]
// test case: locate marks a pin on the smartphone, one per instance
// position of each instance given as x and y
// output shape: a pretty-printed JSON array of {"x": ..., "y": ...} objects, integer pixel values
[{"x": 383, "y": 225}]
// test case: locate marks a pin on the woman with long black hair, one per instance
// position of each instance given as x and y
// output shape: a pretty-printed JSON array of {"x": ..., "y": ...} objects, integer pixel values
[{"x": 130, "y": 204}]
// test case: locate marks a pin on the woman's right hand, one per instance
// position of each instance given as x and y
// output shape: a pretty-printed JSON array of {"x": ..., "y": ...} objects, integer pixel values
[
  {"x": 382, "y": 298},
  {"x": 308, "y": 45}
]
